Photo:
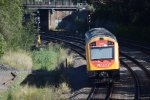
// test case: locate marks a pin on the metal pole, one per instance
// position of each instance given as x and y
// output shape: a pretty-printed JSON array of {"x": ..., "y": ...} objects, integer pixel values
[
  {"x": 49, "y": 2},
  {"x": 66, "y": 63},
  {"x": 55, "y": 2},
  {"x": 69, "y": 2}
]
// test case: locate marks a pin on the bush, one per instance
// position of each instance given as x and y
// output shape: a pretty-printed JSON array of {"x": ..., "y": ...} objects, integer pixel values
[
  {"x": 15, "y": 34},
  {"x": 133, "y": 32},
  {"x": 49, "y": 58}
]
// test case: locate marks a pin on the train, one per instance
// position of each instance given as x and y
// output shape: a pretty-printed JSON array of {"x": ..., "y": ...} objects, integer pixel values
[{"x": 102, "y": 54}]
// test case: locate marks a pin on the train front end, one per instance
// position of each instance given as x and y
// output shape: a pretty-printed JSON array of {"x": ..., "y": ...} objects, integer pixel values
[{"x": 102, "y": 55}]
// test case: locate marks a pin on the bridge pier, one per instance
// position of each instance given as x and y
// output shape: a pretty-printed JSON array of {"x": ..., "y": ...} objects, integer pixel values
[
  {"x": 55, "y": 17},
  {"x": 43, "y": 19},
  {"x": 50, "y": 19}
]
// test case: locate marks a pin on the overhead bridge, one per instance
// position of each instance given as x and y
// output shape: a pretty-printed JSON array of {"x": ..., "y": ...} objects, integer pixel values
[
  {"x": 54, "y": 4},
  {"x": 53, "y": 13},
  {"x": 30, "y": 6}
]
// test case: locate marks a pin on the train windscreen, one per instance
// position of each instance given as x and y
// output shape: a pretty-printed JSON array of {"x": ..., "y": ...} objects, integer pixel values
[{"x": 102, "y": 53}]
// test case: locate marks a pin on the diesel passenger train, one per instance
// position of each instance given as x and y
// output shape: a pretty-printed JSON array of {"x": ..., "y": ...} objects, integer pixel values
[{"x": 102, "y": 54}]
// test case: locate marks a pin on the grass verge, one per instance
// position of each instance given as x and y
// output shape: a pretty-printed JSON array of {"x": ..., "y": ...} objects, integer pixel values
[
  {"x": 47, "y": 59},
  {"x": 26, "y": 92},
  {"x": 19, "y": 59}
]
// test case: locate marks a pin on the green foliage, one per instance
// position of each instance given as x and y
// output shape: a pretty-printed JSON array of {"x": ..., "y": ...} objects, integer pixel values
[
  {"x": 49, "y": 58},
  {"x": 28, "y": 34},
  {"x": 126, "y": 11},
  {"x": 133, "y": 32},
  {"x": 81, "y": 24},
  {"x": 44, "y": 59},
  {"x": 15, "y": 34},
  {"x": 11, "y": 18},
  {"x": 2, "y": 45},
  {"x": 90, "y": 8},
  {"x": 127, "y": 18}
]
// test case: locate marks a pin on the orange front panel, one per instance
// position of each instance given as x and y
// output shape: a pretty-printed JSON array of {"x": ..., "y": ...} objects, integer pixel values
[{"x": 94, "y": 65}]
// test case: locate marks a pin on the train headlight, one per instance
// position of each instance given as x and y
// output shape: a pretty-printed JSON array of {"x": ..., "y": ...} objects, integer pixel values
[
  {"x": 110, "y": 43},
  {"x": 93, "y": 44}
]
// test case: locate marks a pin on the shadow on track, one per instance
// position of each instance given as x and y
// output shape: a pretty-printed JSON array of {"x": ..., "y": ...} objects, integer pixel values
[{"x": 76, "y": 78}]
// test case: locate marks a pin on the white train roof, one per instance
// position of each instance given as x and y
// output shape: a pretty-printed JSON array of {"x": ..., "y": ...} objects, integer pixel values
[{"x": 98, "y": 32}]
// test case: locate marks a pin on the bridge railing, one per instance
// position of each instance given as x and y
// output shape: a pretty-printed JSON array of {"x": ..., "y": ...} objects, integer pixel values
[
  {"x": 53, "y": 4},
  {"x": 50, "y": 2}
]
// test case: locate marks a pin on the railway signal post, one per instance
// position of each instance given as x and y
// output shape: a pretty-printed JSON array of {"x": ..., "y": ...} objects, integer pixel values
[
  {"x": 37, "y": 20},
  {"x": 89, "y": 20}
]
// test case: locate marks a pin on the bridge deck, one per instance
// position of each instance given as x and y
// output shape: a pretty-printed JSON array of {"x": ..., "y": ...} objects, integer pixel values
[
  {"x": 53, "y": 4},
  {"x": 39, "y": 6}
]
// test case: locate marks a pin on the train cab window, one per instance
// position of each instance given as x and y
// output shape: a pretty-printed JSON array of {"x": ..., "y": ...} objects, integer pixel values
[{"x": 102, "y": 53}]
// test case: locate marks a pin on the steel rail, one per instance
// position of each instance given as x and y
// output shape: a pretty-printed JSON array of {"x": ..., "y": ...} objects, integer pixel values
[
  {"x": 91, "y": 93},
  {"x": 137, "y": 94},
  {"x": 131, "y": 45},
  {"x": 109, "y": 92},
  {"x": 137, "y": 63},
  {"x": 136, "y": 81},
  {"x": 66, "y": 36},
  {"x": 123, "y": 54},
  {"x": 129, "y": 57},
  {"x": 110, "y": 88}
]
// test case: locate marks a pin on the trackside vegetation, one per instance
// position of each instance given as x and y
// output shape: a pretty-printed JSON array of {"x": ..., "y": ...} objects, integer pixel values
[
  {"x": 16, "y": 38},
  {"x": 50, "y": 57},
  {"x": 129, "y": 19},
  {"x": 14, "y": 34},
  {"x": 26, "y": 92},
  {"x": 49, "y": 60}
]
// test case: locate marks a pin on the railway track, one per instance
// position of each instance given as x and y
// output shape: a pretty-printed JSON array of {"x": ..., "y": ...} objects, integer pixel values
[
  {"x": 95, "y": 89},
  {"x": 136, "y": 80},
  {"x": 144, "y": 47},
  {"x": 80, "y": 50},
  {"x": 91, "y": 93}
]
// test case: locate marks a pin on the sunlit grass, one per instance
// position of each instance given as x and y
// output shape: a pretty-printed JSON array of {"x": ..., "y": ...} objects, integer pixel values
[
  {"x": 26, "y": 92},
  {"x": 33, "y": 93},
  {"x": 45, "y": 58},
  {"x": 19, "y": 59}
]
